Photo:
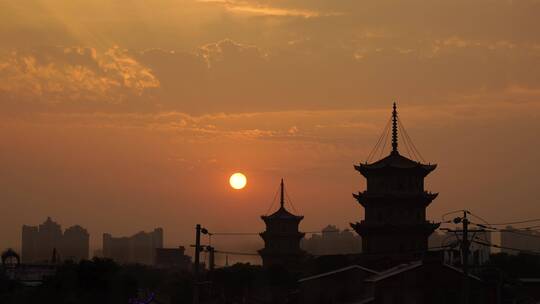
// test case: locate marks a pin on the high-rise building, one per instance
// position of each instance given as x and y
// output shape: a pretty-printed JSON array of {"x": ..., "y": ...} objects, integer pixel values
[
  {"x": 281, "y": 238},
  {"x": 395, "y": 204},
  {"x": 29, "y": 243},
  {"x": 49, "y": 239},
  {"x": 75, "y": 243},
  {"x": 40, "y": 243},
  {"x": 139, "y": 248}
]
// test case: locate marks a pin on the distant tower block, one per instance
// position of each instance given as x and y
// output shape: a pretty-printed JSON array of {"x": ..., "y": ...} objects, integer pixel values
[
  {"x": 395, "y": 204},
  {"x": 282, "y": 238}
]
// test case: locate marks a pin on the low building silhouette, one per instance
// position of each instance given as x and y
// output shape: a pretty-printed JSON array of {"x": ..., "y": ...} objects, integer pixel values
[
  {"x": 139, "y": 248},
  {"x": 425, "y": 281},
  {"x": 40, "y": 242},
  {"x": 172, "y": 257},
  {"x": 332, "y": 241},
  {"x": 343, "y": 285},
  {"x": 449, "y": 242},
  {"x": 428, "y": 280}
]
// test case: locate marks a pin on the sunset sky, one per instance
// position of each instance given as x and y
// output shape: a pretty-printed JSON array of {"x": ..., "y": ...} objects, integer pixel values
[{"x": 124, "y": 116}]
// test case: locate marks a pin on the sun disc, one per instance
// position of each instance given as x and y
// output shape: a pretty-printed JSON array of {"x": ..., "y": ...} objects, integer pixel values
[{"x": 238, "y": 181}]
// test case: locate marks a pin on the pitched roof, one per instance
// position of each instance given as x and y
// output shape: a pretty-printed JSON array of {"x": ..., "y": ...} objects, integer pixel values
[
  {"x": 460, "y": 270},
  {"x": 329, "y": 273},
  {"x": 410, "y": 266},
  {"x": 365, "y": 301},
  {"x": 394, "y": 271}
]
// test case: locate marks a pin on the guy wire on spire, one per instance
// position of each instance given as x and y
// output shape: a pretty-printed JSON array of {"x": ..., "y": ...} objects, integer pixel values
[
  {"x": 394, "y": 130},
  {"x": 282, "y": 200}
]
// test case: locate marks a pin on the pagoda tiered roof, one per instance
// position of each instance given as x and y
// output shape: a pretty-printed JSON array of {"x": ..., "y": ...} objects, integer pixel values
[
  {"x": 366, "y": 197},
  {"x": 395, "y": 161},
  {"x": 383, "y": 228},
  {"x": 282, "y": 214}
]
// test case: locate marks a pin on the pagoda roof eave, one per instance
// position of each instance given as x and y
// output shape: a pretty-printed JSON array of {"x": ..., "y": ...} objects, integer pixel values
[
  {"x": 424, "y": 198},
  {"x": 282, "y": 214},
  {"x": 394, "y": 161},
  {"x": 362, "y": 227},
  {"x": 366, "y": 169}
]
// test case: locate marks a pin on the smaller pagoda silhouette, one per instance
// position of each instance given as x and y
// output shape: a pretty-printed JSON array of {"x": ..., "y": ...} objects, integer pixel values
[{"x": 282, "y": 238}]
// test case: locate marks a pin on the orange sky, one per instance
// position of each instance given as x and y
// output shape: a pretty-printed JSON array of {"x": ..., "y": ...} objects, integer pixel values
[{"x": 126, "y": 115}]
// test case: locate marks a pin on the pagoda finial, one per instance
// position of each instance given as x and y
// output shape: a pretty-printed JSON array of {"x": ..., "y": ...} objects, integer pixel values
[
  {"x": 394, "y": 130},
  {"x": 282, "y": 197}
]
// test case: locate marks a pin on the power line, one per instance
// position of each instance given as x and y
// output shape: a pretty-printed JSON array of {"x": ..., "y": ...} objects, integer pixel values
[
  {"x": 509, "y": 248},
  {"x": 233, "y": 233},
  {"x": 390, "y": 252},
  {"x": 507, "y": 230},
  {"x": 478, "y": 217},
  {"x": 328, "y": 231},
  {"x": 257, "y": 233},
  {"x": 236, "y": 253},
  {"x": 520, "y": 233},
  {"x": 517, "y": 222},
  {"x": 451, "y": 212},
  {"x": 320, "y": 255},
  {"x": 507, "y": 223},
  {"x": 529, "y": 227},
  {"x": 515, "y": 231}
]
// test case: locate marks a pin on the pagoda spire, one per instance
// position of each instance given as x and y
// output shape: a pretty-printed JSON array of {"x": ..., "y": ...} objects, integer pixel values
[
  {"x": 282, "y": 197},
  {"x": 394, "y": 130}
]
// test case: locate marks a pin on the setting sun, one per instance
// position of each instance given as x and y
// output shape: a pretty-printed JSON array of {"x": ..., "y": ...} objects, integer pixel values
[{"x": 238, "y": 181}]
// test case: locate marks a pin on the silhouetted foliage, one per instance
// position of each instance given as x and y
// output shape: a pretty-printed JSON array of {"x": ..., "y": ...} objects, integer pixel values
[
  {"x": 517, "y": 266},
  {"x": 100, "y": 281},
  {"x": 245, "y": 282}
]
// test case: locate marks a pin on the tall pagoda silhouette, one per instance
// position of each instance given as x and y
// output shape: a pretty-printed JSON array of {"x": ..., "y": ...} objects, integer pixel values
[
  {"x": 395, "y": 203},
  {"x": 282, "y": 238}
]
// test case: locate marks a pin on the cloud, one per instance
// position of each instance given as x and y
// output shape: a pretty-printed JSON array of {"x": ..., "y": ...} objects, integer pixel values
[
  {"x": 257, "y": 55},
  {"x": 319, "y": 126},
  {"x": 73, "y": 75},
  {"x": 229, "y": 76},
  {"x": 258, "y": 9},
  {"x": 229, "y": 50}
]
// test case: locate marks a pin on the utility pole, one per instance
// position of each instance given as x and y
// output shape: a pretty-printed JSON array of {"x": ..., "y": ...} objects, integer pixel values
[
  {"x": 197, "y": 261},
  {"x": 197, "y": 266},
  {"x": 465, "y": 254}
]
